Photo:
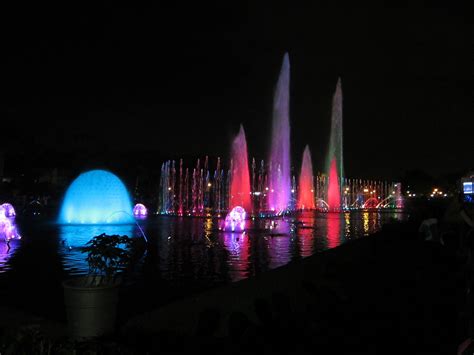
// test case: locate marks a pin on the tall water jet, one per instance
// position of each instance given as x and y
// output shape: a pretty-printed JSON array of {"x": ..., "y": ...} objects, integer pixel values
[
  {"x": 240, "y": 178},
  {"x": 96, "y": 197},
  {"x": 279, "y": 163},
  {"x": 334, "y": 190},
  {"x": 335, "y": 159},
  {"x": 305, "y": 183}
]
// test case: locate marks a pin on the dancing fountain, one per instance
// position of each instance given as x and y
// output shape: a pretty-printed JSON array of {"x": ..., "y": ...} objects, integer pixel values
[
  {"x": 96, "y": 197},
  {"x": 306, "y": 186},
  {"x": 279, "y": 179},
  {"x": 140, "y": 211},
  {"x": 240, "y": 178},
  {"x": 239, "y": 191},
  {"x": 335, "y": 159},
  {"x": 268, "y": 189},
  {"x": 8, "y": 229}
]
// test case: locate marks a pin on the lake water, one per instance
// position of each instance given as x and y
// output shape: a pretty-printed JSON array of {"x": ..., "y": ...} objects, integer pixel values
[{"x": 182, "y": 248}]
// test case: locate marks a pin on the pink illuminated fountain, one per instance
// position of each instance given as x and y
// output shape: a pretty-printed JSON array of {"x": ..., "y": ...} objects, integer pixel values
[
  {"x": 278, "y": 197},
  {"x": 235, "y": 220},
  {"x": 334, "y": 190},
  {"x": 267, "y": 189},
  {"x": 240, "y": 178},
  {"x": 8, "y": 210},
  {"x": 306, "y": 187},
  {"x": 139, "y": 210},
  {"x": 335, "y": 158},
  {"x": 8, "y": 228}
]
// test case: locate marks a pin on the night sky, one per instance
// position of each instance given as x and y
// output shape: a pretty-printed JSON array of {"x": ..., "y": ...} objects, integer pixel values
[{"x": 178, "y": 80}]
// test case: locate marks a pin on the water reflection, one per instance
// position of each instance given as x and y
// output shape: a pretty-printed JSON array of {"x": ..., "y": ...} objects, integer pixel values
[
  {"x": 278, "y": 243},
  {"x": 73, "y": 237},
  {"x": 333, "y": 227},
  {"x": 365, "y": 218},
  {"x": 237, "y": 245},
  {"x": 6, "y": 252},
  {"x": 183, "y": 248}
]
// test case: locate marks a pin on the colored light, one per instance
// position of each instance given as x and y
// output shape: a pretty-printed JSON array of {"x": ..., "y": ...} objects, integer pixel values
[
  {"x": 96, "y": 197},
  {"x": 279, "y": 161},
  {"x": 8, "y": 228},
  {"x": 240, "y": 178},
  {"x": 235, "y": 220},
  {"x": 334, "y": 194},
  {"x": 139, "y": 210},
  {"x": 305, "y": 187},
  {"x": 8, "y": 210}
]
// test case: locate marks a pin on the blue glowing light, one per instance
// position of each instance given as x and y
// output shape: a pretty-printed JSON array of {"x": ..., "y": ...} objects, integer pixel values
[{"x": 96, "y": 197}]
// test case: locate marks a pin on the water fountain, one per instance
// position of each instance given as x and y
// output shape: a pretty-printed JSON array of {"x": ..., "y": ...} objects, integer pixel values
[
  {"x": 240, "y": 180},
  {"x": 8, "y": 229},
  {"x": 335, "y": 159},
  {"x": 235, "y": 220},
  {"x": 96, "y": 197},
  {"x": 268, "y": 189},
  {"x": 139, "y": 210},
  {"x": 279, "y": 180},
  {"x": 306, "y": 186}
]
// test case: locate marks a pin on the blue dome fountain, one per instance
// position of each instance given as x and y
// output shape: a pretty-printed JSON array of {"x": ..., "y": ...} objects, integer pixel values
[{"x": 96, "y": 197}]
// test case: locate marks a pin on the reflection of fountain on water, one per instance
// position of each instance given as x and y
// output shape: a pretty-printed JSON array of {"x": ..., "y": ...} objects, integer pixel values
[
  {"x": 6, "y": 252},
  {"x": 74, "y": 237},
  {"x": 333, "y": 226},
  {"x": 237, "y": 246},
  {"x": 279, "y": 242}
]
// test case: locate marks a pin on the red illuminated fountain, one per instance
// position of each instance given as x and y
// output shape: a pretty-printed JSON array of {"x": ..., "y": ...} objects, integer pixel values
[
  {"x": 240, "y": 178},
  {"x": 334, "y": 190},
  {"x": 269, "y": 190},
  {"x": 306, "y": 187}
]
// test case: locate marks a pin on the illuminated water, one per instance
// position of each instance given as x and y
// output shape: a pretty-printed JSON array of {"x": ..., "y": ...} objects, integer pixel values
[
  {"x": 335, "y": 162},
  {"x": 306, "y": 185},
  {"x": 240, "y": 178},
  {"x": 182, "y": 249},
  {"x": 279, "y": 170},
  {"x": 96, "y": 197}
]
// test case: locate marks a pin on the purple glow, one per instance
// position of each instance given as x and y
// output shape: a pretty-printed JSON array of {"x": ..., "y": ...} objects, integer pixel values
[
  {"x": 8, "y": 209},
  {"x": 140, "y": 210},
  {"x": 235, "y": 220},
  {"x": 7, "y": 226},
  {"x": 279, "y": 165}
]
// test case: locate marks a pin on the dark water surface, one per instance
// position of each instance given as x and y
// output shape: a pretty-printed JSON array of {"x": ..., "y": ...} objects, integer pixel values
[{"x": 190, "y": 248}]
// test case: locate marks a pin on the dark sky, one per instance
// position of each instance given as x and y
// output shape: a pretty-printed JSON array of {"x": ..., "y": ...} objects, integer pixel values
[{"x": 179, "y": 79}]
